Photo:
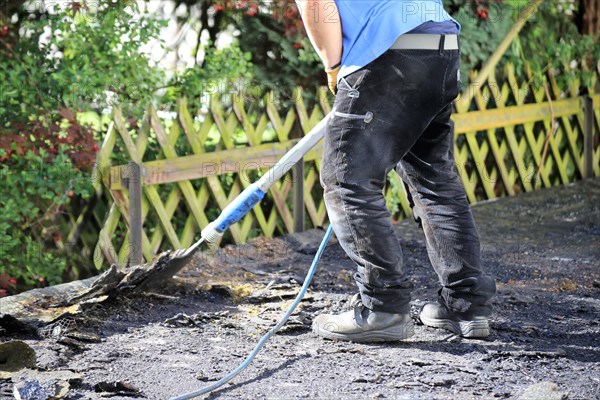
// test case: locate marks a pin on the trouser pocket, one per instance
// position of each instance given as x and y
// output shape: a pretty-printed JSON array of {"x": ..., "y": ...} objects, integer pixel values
[{"x": 349, "y": 110}]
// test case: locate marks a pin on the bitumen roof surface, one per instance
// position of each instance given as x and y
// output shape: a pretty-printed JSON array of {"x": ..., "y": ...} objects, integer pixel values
[{"x": 543, "y": 248}]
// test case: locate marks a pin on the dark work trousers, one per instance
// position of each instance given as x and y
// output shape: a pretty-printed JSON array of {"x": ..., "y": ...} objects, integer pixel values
[{"x": 395, "y": 114}]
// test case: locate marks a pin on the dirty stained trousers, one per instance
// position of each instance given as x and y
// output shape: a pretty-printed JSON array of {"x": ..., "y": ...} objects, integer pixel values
[{"x": 394, "y": 113}]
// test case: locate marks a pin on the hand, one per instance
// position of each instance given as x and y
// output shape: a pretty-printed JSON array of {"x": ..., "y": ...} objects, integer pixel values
[{"x": 332, "y": 74}]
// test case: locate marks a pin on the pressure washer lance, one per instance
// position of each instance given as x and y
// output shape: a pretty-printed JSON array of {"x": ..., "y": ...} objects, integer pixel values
[
  {"x": 250, "y": 197},
  {"x": 235, "y": 211},
  {"x": 255, "y": 192}
]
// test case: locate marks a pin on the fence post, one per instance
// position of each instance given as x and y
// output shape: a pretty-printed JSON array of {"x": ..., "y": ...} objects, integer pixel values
[
  {"x": 298, "y": 195},
  {"x": 588, "y": 137},
  {"x": 134, "y": 186}
]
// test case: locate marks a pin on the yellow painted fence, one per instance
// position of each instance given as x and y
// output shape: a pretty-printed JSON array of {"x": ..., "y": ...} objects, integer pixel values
[{"x": 511, "y": 136}]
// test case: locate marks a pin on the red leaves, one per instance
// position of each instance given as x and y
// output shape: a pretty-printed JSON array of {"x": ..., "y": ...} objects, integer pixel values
[
  {"x": 482, "y": 8},
  {"x": 6, "y": 283},
  {"x": 291, "y": 13},
  {"x": 132, "y": 122},
  {"x": 252, "y": 10},
  {"x": 82, "y": 147},
  {"x": 79, "y": 142},
  {"x": 483, "y": 12},
  {"x": 282, "y": 11},
  {"x": 4, "y": 31},
  {"x": 7, "y": 156},
  {"x": 75, "y": 7},
  {"x": 250, "y": 7},
  {"x": 11, "y": 143},
  {"x": 292, "y": 23}
]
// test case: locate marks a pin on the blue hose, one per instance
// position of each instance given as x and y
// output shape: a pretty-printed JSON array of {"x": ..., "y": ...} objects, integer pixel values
[{"x": 272, "y": 331}]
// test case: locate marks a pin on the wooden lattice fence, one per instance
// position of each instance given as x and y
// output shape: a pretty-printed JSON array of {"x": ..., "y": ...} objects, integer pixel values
[
  {"x": 238, "y": 157},
  {"x": 504, "y": 125},
  {"x": 508, "y": 130}
]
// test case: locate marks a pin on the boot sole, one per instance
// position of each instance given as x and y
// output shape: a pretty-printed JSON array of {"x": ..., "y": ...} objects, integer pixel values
[
  {"x": 468, "y": 329},
  {"x": 390, "y": 334}
]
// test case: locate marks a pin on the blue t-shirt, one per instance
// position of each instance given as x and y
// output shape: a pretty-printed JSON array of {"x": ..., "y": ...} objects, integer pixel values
[{"x": 370, "y": 27}]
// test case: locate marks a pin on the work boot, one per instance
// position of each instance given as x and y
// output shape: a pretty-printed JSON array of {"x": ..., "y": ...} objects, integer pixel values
[
  {"x": 438, "y": 316},
  {"x": 363, "y": 325}
]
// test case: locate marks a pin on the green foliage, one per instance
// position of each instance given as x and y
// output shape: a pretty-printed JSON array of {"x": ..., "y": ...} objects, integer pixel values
[
  {"x": 549, "y": 38},
  {"x": 77, "y": 59},
  {"x": 483, "y": 26},
  {"x": 36, "y": 187},
  {"x": 279, "y": 57},
  {"x": 556, "y": 43},
  {"x": 282, "y": 55},
  {"x": 224, "y": 70},
  {"x": 56, "y": 62}
]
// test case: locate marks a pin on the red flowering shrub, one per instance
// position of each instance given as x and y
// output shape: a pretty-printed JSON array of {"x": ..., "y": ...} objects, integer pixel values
[{"x": 7, "y": 285}]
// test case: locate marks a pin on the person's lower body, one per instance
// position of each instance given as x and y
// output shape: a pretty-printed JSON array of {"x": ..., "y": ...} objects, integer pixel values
[{"x": 395, "y": 114}]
